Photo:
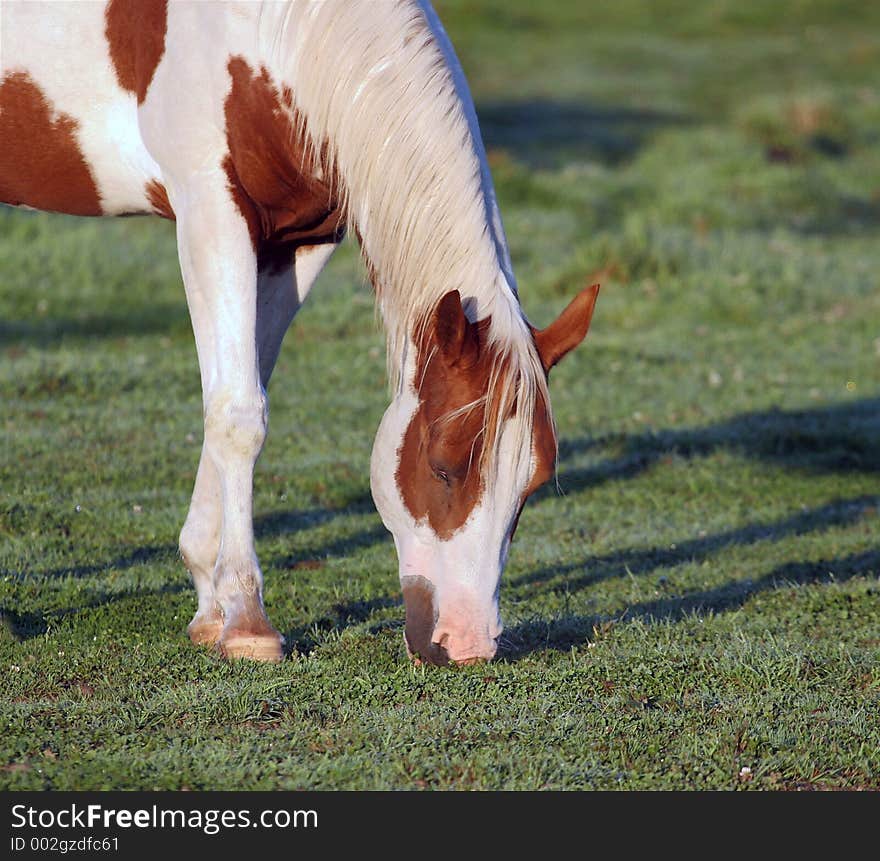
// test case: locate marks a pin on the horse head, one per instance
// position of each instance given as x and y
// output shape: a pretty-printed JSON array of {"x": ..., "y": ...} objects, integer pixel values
[{"x": 461, "y": 447}]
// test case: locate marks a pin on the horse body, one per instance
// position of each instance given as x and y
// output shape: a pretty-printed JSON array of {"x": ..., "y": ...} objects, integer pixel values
[
  {"x": 265, "y": 130},
  {"x": 70, "y": 131}
]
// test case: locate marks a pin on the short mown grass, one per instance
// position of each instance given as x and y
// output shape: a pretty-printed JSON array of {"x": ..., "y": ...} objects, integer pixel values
[{"x": 697, "y": 607}]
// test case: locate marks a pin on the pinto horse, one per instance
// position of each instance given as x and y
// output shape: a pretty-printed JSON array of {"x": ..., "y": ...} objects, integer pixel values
[{"x": 266, "y": 130}]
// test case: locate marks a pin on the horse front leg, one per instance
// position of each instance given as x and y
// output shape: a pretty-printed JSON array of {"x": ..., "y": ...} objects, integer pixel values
[
  {"x": 220, "y": 275},
  {"x": 199, "y": 547},
  {"x": 280, "y": 294}
]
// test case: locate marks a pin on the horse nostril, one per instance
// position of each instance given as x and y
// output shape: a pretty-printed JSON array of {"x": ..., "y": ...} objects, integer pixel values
[{"x": 463, "y": 650}]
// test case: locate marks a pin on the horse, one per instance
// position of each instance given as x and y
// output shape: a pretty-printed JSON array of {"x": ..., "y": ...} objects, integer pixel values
[{"x": 267, "y": 131}]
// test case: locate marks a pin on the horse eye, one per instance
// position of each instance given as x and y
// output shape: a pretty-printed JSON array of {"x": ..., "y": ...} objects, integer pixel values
[{"x": 440, "y": 474}]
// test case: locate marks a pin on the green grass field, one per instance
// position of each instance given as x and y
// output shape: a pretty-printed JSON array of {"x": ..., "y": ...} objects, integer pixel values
[{"x": 699, "y": 608}]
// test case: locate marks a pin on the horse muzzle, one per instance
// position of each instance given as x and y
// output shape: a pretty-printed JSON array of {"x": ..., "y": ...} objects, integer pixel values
[{"x": 445, "y": 635}]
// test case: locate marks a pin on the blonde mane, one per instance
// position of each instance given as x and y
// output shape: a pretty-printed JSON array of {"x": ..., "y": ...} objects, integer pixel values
[{"x": 381, "y": 97}]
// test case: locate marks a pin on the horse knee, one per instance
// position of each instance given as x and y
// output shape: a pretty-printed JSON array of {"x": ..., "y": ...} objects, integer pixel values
[
  {"x": 199, "y": 544},
  {"x": 235, "y": 426}
]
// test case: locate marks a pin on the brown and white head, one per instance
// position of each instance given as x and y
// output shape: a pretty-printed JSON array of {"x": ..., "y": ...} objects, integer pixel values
[{"x": 468, "y": 437}]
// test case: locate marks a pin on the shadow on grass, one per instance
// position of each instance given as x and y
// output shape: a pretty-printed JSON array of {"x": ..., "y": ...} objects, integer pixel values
[
  {"x": 547, "y": 133},
  {"x": 305, "y": 638},
  {"x": 26, "y": 626},
  {"x": 267, "y": 525},
  {"x": 563, "y": 633},
  {"x": 314, "y": 557},
  {"x": 146, "y": 319},
  {"x": 839, "y": 438},
  {"x": 841, "y": 215},
  {"x": 842, "y": 438},
  {"x": 123, "y": 562},
  {"x": 594, "y": 569},
  {"x": 296, "y": 520}
]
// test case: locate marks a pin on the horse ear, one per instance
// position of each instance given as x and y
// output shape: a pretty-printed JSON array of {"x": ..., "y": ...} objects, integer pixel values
[
  {"x": 456, "y": 336},
  {"x": 568, "y": 329}
]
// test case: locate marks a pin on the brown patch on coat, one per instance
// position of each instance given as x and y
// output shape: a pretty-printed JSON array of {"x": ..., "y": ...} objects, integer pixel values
[
  {"x": 267, "y": 165},
  {"x": 421, "y": 619},
  {"x": 41, "y": 164},
  {"x": 438, "y": 470},
  {"x": 158, "y": 197},
  {"x": 135, "y": 33}
]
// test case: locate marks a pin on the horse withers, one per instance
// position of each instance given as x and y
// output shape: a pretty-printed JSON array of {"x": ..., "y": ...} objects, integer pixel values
[{"x": 266, "y": 131}]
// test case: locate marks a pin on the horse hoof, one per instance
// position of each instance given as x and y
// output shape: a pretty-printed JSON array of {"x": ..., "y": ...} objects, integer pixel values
[
  {"x": 205, "y": 631},
  {"x": 251, "y": 646}
]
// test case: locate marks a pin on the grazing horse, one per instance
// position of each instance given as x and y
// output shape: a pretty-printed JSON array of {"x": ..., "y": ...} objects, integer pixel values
[{"x": 266, "y": 130}]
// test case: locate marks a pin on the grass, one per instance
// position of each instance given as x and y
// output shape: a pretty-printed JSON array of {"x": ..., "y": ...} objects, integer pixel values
[{"x": 697, "y": 609}]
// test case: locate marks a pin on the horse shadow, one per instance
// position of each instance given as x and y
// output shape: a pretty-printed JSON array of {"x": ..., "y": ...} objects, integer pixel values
[
  {"x": 265, "y": 526},
  {"x": 548, "y": 133},
  {"x": 843, "y": 438},
  {"x": 22, "y": 626},
  {"x": 569, "y": 632},
  {"x": 304, "y": 639},
  {"x": 839, "y": 438},
  {"x": 551, "y": 133},
  {"x": 158, "y": 318},
  {"x": 27, "y": 625}
]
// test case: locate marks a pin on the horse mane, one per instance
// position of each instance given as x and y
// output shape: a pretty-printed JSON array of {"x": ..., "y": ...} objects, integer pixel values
[{"x": 381, "y": 98}]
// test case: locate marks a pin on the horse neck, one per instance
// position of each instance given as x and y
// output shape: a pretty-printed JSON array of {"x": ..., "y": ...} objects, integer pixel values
[{"x": 400, "y": 127}]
